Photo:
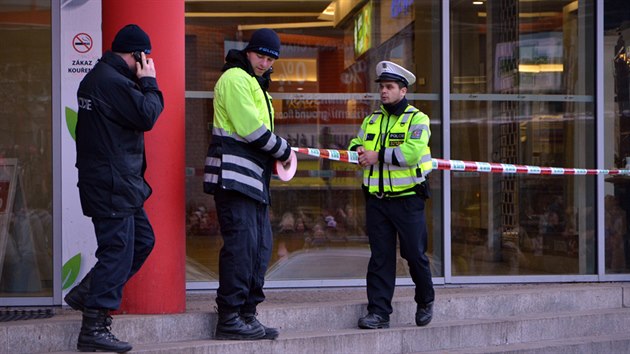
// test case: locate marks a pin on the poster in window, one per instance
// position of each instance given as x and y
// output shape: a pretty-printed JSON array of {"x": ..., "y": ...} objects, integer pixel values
[{"x": 363, "y": 30}]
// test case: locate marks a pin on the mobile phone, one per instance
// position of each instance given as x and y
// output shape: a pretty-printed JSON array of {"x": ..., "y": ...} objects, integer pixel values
[{"x": 138, "y": 57}]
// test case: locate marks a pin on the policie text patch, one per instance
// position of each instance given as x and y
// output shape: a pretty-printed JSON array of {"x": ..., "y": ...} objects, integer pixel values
[{"x": 395, "y": 139}]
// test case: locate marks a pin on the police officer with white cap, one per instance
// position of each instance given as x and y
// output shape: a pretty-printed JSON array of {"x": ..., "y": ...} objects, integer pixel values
[{"x": 394, "y": 153}]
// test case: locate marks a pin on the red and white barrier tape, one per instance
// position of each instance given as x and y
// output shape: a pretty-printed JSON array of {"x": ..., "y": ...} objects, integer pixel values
[
  {"x": 330, "y": 154},
  {"x": 469, "y": 166}
]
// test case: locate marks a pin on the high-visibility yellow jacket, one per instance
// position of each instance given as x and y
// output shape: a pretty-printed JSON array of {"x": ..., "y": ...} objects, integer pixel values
[
  {"x": 404, "y": 154},
  {"x": 243, "y": 147}
]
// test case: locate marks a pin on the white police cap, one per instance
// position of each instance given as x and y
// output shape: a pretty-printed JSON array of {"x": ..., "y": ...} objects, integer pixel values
[{"x": 388, "y": 71}]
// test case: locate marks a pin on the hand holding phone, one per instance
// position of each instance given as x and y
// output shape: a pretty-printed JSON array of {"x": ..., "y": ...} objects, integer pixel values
[
  {"x": 146, "y": 67},
  {"x": 138, "y": 57}
]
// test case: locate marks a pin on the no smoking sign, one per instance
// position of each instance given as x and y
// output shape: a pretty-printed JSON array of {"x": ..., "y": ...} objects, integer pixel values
[{"x": 82, "y": 42}]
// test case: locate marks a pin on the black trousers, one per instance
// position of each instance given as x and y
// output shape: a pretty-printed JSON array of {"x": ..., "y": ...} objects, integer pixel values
[
  {"x": 387, "y": 220},
  {"x": 246, "y": 251},
  {"x": 123, "y": 246}
]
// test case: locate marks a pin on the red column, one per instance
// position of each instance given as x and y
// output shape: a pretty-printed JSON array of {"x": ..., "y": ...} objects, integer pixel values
[{"x": 160, "y": 286}]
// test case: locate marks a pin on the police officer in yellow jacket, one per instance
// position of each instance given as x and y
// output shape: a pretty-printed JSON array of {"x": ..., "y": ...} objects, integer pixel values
[
  {"x": 394, "y": 153},
  {"x": 238, "y": 171}
]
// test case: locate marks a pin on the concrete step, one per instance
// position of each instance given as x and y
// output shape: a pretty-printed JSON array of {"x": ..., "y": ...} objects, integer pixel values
[
  {"x": 439, "y": 337},
  {"x": 617, "y": 343},
  {"x": 318, "y": 313}
]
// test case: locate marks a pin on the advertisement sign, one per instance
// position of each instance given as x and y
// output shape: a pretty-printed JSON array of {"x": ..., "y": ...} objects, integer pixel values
[
  {"x": 81, "y": 43},
  {"x": 363, "y": 30},
  {"x": 395, "y": 15}
]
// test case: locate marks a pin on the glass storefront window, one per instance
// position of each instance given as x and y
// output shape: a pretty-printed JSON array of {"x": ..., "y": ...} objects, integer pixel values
[
  {"x": 522, "y": 92},
  {"x": 617, "y": 148},
  {"x": 25, "y": 150},
  {"x": 323, "y": 86}
]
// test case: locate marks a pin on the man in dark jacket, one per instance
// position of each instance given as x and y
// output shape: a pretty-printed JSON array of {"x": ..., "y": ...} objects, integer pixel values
[{"x": 119, "y": 100}]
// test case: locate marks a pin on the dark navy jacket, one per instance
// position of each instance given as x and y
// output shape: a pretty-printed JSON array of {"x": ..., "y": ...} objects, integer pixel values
[{"x": 115, "y": 109}]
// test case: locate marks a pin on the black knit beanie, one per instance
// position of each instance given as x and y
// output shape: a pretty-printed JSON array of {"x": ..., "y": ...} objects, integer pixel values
[
  {"x": 131, "y": 38},
  {"x": 264, "y": 41}
]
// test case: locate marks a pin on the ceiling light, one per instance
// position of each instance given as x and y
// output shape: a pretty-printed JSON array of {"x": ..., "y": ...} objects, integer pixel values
[
  {"x": 251, "y": 14},
  {"x": 286, "y": 25},
  {"x": 329, "y": 13}
]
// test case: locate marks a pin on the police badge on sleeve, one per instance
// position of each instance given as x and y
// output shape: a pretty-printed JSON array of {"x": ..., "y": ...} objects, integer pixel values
[{"x": 416, "y": 134}]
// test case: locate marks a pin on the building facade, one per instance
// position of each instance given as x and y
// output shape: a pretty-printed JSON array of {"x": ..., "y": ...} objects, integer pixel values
[{"x": 539, "y": 83}]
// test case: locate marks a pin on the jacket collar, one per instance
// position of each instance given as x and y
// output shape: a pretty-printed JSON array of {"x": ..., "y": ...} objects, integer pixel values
[
  {"x": 238, "y": 59},
  {"x": 118, "y": 64},
  {"x": 397, "y": 108}
]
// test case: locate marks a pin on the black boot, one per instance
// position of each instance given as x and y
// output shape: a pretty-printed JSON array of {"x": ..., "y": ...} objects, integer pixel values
[
  {"x": 424, "y": 314},
  {"x": 373, "y": 321},
  {"x": 95, "y": 334},
  {"x": 77, "y": 296},
  {"x": 232, "y": 326},
  {"x": 250, "y": 319}
]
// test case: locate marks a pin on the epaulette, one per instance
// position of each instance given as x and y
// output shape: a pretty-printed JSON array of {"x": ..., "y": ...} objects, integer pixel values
[
  {"x": 408, "y": 113},
  {"x": 375, "y": 115}
]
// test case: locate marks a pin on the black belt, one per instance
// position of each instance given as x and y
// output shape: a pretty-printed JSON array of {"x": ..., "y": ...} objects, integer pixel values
[
  {"x": 391, "y": 196},
  {"x": 419, "y": 190}
]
